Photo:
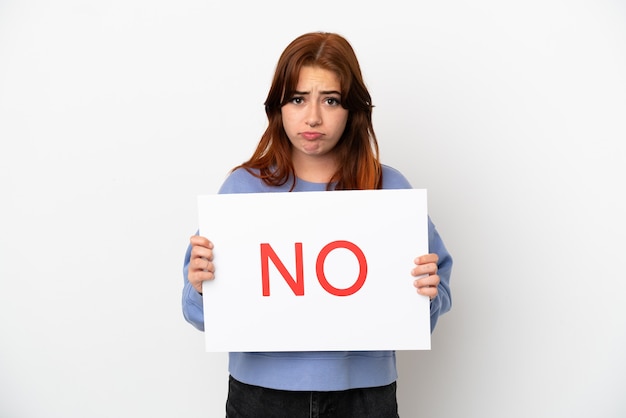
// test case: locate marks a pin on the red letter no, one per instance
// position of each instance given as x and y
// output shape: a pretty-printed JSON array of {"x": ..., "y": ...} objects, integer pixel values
[{"x": 297, "y": 285}]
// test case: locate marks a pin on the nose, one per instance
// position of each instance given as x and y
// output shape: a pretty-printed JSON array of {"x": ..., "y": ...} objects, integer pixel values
[{"x": 314, "y": 117}]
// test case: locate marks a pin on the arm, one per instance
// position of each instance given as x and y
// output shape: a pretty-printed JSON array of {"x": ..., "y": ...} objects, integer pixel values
[
  {"x": 198, "y": 267},
  {"x": 434, "y": 270}
]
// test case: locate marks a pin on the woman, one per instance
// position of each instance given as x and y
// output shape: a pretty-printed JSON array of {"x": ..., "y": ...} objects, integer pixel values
[{"x": 319, "y": 137}]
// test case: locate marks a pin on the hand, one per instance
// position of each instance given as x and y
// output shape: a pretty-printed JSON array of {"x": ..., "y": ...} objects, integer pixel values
[
  {"x": 428, "y": 280},
  {"x": 201, "y": 263}
]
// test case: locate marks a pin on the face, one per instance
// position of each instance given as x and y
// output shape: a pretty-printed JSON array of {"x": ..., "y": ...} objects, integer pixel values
[{"x": 313, "y": 118}]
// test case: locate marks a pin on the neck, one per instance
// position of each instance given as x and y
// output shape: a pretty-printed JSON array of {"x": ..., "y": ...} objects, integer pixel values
[{"x": 316, "y": 169}]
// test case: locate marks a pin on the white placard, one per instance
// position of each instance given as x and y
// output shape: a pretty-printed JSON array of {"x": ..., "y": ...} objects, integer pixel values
[{"x": 315, "y": 271}]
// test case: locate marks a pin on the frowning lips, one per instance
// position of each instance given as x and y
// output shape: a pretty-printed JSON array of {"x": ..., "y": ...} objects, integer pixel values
[{"x": 311, "y": 135}]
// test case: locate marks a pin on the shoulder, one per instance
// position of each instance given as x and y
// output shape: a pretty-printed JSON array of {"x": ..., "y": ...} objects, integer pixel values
[
  {"x": 394, "y": 179},
  {"x": 241, "y": 180}
]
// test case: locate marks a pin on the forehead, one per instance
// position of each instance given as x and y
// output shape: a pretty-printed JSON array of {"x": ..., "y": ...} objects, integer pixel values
[{"x": 311, "y": 77}]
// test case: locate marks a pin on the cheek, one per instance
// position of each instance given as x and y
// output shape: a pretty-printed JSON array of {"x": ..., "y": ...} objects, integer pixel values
[
  {"x": 289, "y": 127},
  {"x": 288, "y": 121},
  {"x": 341, "y": 123}
]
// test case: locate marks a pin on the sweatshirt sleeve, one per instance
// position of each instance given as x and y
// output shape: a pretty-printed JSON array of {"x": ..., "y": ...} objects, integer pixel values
[
  {"x": 443, "y": 302},
  {"x": 193, "y": 309}
]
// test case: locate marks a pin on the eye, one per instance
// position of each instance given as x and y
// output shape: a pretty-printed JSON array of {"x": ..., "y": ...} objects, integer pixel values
[
  {"x": 296, "y": 100},
  {"x": 332, "y": 101}
]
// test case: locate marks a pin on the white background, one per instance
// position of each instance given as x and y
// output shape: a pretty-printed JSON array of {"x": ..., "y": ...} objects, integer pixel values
[{"x": 115, "y": 115}]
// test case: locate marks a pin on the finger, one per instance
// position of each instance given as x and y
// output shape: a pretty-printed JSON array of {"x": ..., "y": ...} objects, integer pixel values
[
  {"x": 201, "y": 247},
  {"x": 198, "y": 276},
  {"x": 201, "y": 252},
  {"x": 426, "y": 258},
  {"x": 202, "y": 264},
  {"x": 200, "y": 241},
  {"x": 422, "y": 269},
  {"x": 430, "y": 291},
  {"x": 427, "y": 281},
  {"x": 427, "y": 286}
]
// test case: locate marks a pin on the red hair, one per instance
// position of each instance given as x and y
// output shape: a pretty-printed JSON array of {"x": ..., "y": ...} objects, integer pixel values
[{"x": 357, "y": 150}]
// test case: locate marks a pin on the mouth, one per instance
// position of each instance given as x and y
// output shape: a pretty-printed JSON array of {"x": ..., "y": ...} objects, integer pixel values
[{"x": 310, "y": 136}]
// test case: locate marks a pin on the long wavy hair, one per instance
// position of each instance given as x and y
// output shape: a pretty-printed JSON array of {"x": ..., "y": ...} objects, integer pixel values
[{"x": 358, "y": 154}]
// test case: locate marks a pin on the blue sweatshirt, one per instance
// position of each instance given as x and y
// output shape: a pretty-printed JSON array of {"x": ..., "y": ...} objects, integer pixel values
[{"x": 317, "y": 371}]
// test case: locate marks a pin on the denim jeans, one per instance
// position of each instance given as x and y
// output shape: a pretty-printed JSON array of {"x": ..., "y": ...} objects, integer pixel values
[{"x": 248, "y": 401}]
